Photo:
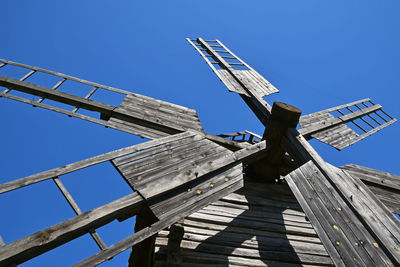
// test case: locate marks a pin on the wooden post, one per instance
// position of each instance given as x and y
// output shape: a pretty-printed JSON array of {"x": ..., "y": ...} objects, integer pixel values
[
  {"x": 283, "y": 116},
  {"x": 175, "y": 237},
  {"x": 142, "y": 253}
]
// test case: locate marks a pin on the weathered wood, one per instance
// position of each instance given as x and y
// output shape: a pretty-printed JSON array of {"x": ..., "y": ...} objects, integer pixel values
[
  {"x": 31, "y": 246},
  {"x": 142, "y": 253},
  {"x": 185, "y": 196},
  {"x": 78, "y": 211},
  {"x": 12, "y": 185},
  {"x": 65, "y": 76},
  {"x": 149, "y": 231},
  {"x": 175, "y": 237},
  {"x": 249, "y": 253},
  {"x": 376, "y": 177},
  {"x": 334, "y": 219},
  {"x": 153, "y": 180},
  {"x": 315, "y": 127}
]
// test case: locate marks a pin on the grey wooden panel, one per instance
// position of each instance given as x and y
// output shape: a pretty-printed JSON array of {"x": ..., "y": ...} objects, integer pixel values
[
  {"x": 251, "y": 79},
  {"x": 140, "y": 115},
  {"x": 335, "y": 219},
  {"x": 166, "y": 169},
  {"x": 245, "y": 82},
  {"x": 183, "y": 197},
  {"x": 325, "y": 127},
  {"x": 154, "y": 228},
  {"x": 255, "y": 235},
  {"x": 373, "y": 212},
  {"x": 385, "y": 186},
  {"x": 379, "y": 178},
  {"x": 230, "y": 82}
]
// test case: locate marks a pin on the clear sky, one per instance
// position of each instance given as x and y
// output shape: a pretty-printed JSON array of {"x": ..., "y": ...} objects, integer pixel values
[{"x": 319, "y": 54}]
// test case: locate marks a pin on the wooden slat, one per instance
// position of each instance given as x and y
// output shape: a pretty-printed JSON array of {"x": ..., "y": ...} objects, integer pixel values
[
  {"x": 315, "y": 127},
  {"x": 359, "y": 138},
  {"x": 174, "y": 170},
  {"x": 334, "y": 222},
  {"x": 144, "y": 116},
  {"x": 380, "y": 178},
  {"x": 78, "y": 211},
  {"x": 65, "y": 76},
  {"x": 87, "y": 162},
  {"x": 31, "y": 246},
  {"x": 154, "y": 228}
]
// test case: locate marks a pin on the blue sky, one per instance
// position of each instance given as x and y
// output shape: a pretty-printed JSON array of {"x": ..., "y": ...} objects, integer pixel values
[{"x": 319, "y": 54}]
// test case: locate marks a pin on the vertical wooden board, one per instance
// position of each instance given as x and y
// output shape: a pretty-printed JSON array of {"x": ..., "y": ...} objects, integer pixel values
[
  {"x": 329, "y": 213},
  {"x": 230, "y": 82}
]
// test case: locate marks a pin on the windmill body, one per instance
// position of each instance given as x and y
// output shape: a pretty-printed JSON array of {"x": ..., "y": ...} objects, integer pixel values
[{"x": 241, "y": 199}]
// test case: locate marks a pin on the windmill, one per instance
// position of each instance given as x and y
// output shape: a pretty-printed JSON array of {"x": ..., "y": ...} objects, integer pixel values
[{"x": 201, "y": 199}]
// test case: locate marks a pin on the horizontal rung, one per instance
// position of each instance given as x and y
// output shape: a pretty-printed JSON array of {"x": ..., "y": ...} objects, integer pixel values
[
  {"x": 29, "y": 74},
  {"x": 228, "y": 57},
  {"x": 215, "y": 63},
  {"x": 220, "y": 51},
  {"x": 237, "y": 64},
  {"x": 215, "y": 46},
  {"x": 215, "y": 41},
  {"x": 380, "y": 116}
]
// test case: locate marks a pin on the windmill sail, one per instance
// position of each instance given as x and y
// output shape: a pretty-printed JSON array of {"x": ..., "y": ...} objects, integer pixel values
[
  {"x": 137, "y": 114},
  {"x": 233, "y": 72},
  {"x": 325, "y": 191},
  {"x": 174, "y": 176},
  {"x": 332, "y": 126}
]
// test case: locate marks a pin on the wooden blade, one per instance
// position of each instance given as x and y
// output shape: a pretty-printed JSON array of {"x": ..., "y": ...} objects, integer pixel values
[
  {"x": 173, "y": 175},
  {"x": 179, "y": 174},
  {"x": 233, "y": 72},
  {"x": 137, "y": 114},
  {"x": 331, "y": 126},
  {"x": 250, "y": 85},
  {"x": 385, "y": 186}
]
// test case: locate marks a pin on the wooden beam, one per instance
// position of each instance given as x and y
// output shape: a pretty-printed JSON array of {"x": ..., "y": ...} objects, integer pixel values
[
  {"x": 78, "y": 211},
  {"x": 35, "y": 178},
  {"x": 154, "y": 228},
  {"x": 36, "y": 244},
  {"x": 175, "y": 236},
  {"x": 319, "y": 126},
  {"x": 142, "y": 253}
]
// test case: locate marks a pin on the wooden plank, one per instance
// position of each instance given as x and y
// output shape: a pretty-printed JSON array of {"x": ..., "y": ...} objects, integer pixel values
[
  {"x": 65, "y": 76},
  {"x": 347, "y": 234},
  {"x": 78, "y": 211},
  {"x": 31, "y": 246},
  {"x": 212, "y": 228},
  {"x": 12, "y": 185},
  {"x": 254, "y": 242},
  {"x": 272, "y": 88},
  {"x": 373, "y": 176},
  {"x": 202, "y": 259},
  {"x": 55, "y": 95},
  {"x": 164, "y": 179},
  {"x": 183, "y": 197},
  {"x": 315, "y": 127},
  {"x": 250, "y": 253},
  {"x": 382, "y": 222},
  {"x": 342, "y": 214},
  {"x": 149, "y": 231}
]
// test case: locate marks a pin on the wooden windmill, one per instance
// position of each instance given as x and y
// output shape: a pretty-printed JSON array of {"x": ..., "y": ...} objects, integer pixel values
[{"x": 238, "y": 199}]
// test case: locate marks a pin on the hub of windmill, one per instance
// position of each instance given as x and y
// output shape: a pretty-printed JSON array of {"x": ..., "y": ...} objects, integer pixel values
[{"x": 276, "y": 162}]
